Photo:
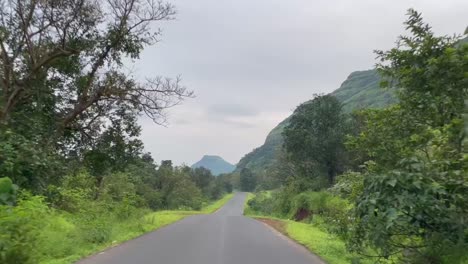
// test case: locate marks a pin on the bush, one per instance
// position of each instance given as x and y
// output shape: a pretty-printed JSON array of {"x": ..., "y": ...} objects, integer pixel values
[
  {"x": 19, "y": 229},
  {"x": 94, "y": 223},
  {"x": 74, "y": 193},
  {"x": 185, "y": 195},
  {"x": 332, "y": 209},
  {"x": 349, "y": 185},
  {"x": 7, "y": 191},
  {"x": 262, "y": 203},
  {"x": 58, "y": 237}
]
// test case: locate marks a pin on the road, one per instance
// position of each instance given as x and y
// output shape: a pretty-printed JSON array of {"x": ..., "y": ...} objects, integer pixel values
[{"x": 224, "y": 237}]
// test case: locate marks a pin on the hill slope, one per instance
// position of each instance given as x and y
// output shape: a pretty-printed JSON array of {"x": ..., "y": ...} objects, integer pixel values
[
  {"x": 360, "y": 90},
  {"x": 215, "y": 164}
]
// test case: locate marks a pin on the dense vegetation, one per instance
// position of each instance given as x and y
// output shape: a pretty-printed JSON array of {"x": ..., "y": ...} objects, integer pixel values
[
  {"x": 215, "y": 164},
  {"x": 391, "y": 183},
  {"x": 74, "y": 176}
]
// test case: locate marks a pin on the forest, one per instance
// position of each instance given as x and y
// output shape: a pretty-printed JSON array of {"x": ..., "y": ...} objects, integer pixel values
[{"x": 389, "y": 184}]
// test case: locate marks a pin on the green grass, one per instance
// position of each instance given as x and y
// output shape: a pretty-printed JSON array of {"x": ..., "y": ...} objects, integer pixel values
[
  {"x": 247, "y": 210},
  {"x": 325, "y": 245},
  {"x": 63, "y": 243},
  {"x": 329, "y": 247}
]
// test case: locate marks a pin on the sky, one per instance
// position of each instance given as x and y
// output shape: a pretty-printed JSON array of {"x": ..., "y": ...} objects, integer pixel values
[{"x": 251, "y": 62}]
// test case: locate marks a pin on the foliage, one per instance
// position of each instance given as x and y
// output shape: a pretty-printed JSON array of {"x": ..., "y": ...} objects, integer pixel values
[
  {"x": 32, "y": 232},
  {"x": 247, "y": 180},
  {"x": 413, "y": 201},
  {"x": 430, "y": 73},
  {"x": 420, "y": 208},
  {"x": 19, "y": 228},
  {"x": 184, "y": 195},
  {"x": 262, "y": 204},
  {"x": 28, "y": 162},
  {"x": 349, "y": 186},
  {"x": 65, "y": 99},
  {"x": 314, "y": 137},
  {"x": 202, "y": 178},
  {"x": 8, "y": 191},
  {"x": 384, "y": 136},
  {"x": 403, "y": 198}
]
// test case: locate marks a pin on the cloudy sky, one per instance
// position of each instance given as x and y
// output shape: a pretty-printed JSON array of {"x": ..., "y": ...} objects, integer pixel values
[{"x": 251, "y": 62}]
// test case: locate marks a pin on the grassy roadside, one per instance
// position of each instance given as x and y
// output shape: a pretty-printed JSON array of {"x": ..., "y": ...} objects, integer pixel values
[
  {"x": 121, "y": 232},
  {"x": 325, "y": 245}
]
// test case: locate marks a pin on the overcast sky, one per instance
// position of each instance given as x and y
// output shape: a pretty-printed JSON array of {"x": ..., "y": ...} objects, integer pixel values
[{"x": 251, "y": 62}]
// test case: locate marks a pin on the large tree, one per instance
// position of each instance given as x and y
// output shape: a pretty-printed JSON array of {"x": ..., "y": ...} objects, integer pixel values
[
  {"x": 64, "y": 89},
  {"x": 66, "y": 57},
  {"x": 247, "y": 180},
  {"x": 314, "y": 137}
]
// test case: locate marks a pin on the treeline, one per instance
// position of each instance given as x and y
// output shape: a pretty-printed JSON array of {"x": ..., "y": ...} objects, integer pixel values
[
  {"x": 392, "y": 183},
  {"x": 78, "y": 215},
  {"x": 73, "y": 170}
]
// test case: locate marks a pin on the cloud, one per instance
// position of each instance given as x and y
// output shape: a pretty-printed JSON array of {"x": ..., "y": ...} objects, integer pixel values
[
  {"x": 232, "y": 110},
  {"x": 251, "y": 62}
]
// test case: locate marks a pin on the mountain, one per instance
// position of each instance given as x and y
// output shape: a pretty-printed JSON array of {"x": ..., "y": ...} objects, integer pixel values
[
  {"x": 215, "y": 164},
  {"x": 360, "y": 90}
]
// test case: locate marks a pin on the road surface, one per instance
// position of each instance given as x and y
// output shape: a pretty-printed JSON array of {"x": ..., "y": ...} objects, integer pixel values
[{"x": 224, "y": 237}]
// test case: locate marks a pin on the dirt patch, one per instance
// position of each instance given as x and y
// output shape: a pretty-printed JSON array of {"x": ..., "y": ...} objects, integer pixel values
[
  {"x": 302, "y": 214},
  {"x": 276, "y": 224}
]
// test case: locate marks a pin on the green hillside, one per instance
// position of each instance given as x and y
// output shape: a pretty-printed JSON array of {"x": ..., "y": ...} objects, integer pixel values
[
  {"x": 360, "y": 90},
  {"x": 215, "y": 164}
]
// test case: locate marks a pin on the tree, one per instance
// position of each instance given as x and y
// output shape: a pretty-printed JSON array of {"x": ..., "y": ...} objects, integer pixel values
[
  {"x": 68, "y": 53},
  {"x": 62, "y": 81},
  {"x": 413, "y": 203},
  {"x": 429, "y": 71},
  {"x": 314, "y": 137},
  {"x": 202, "y": 178},
  {"x": 247, "y": 180}
]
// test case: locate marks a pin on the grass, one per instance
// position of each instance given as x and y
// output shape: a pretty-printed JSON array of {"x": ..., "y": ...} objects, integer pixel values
[
  {"x": 329, "y": 247},
  {"x": 247, "y": 210},
  {"x": 62, "y": 238},
  {"x": 325, "y": 245}
]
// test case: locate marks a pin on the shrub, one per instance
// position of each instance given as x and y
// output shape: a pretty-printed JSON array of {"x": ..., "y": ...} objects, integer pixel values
[
  {"x": 7, "y": 191},
  {"x": 94, "y": 223},
  {"x": 19, "y": 229},
  {"x": 185, "y": 195},
  {"x": 332, "y": 209},
  {"x": 58, "y": 237},
  {"x": 349, "y": 185},
  {"x": 262, "y": 203}
]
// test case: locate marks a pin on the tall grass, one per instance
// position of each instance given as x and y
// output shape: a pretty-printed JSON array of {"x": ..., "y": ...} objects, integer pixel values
[{"x": 329, "y": 247}]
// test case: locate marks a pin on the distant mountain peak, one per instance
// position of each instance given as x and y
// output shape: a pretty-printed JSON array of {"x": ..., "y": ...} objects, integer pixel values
[{"x": 215, "y": 164}]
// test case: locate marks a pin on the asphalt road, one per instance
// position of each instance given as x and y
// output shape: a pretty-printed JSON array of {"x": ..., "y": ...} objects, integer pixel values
[{"x": 224, "y": 237}]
